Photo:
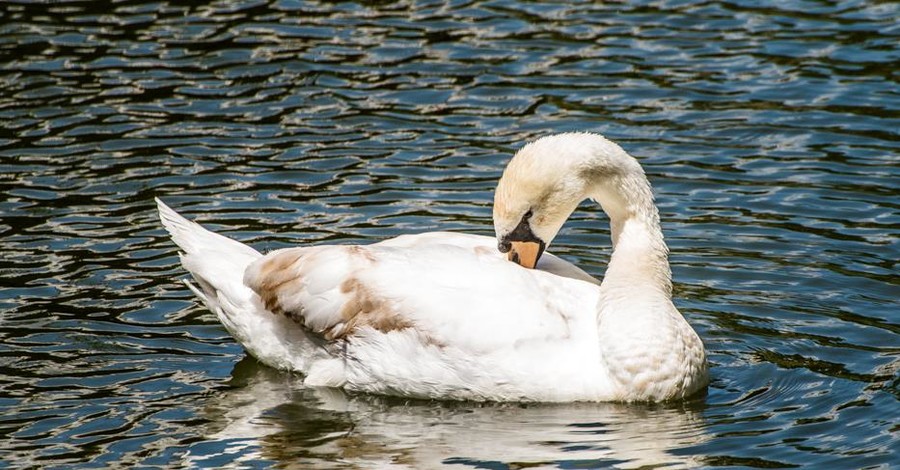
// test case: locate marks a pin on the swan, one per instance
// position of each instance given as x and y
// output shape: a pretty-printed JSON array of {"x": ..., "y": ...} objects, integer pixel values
[{"x": 454, "y": 316}]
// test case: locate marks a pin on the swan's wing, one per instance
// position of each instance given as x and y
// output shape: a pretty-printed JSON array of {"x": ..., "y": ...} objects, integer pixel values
[
  {"x": 486, "y": 246},
  {"x": 450, "y": 289}
]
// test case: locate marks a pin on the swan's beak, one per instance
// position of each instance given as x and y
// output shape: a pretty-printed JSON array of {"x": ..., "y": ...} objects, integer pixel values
[
  {"x": 522, "y": 245},
  {"x": 526, "y": 254}
]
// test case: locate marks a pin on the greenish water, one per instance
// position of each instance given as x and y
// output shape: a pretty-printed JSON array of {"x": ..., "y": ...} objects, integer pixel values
[{"x": 769, "y": 131}]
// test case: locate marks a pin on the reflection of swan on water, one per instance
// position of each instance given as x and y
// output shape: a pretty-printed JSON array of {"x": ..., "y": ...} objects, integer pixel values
[
  {"x": 442, "y": 315},
  {"x": 273, "y": 417}
]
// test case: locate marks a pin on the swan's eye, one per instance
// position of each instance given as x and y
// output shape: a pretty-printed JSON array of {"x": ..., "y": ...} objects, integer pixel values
[{"x": 528, "y": 214}]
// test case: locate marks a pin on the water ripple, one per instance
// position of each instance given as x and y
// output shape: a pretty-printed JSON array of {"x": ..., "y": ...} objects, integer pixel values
[{"x": 769, "y": 133}]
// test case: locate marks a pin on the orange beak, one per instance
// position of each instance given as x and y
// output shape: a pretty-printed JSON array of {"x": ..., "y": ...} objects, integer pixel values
[{"x": 525, "y": 253}]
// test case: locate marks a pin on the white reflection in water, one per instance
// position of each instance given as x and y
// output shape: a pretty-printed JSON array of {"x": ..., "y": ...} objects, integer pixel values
[{"x": 273, "y": 417}]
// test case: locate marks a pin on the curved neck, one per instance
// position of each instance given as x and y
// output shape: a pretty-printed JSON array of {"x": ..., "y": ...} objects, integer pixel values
[{"x": 640, "y": 255}]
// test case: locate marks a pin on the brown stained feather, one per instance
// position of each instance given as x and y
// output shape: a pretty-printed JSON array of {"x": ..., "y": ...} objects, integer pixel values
[
  {"x": 361, "y": 252},
  {"x": 485, "y": 251},
  {"x": 362, "y": 307},
  {"x": 275, "y": 273}
]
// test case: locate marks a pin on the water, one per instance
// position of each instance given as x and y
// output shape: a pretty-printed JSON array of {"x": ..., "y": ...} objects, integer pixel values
[{"x": 770, "y": 134}]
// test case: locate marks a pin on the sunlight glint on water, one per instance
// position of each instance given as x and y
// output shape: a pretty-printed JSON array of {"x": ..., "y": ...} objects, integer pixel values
[{"x": 769, "y": 133}]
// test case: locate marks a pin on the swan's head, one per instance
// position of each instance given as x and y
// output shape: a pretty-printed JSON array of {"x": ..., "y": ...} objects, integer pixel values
[{"x": 541, "y": 186}]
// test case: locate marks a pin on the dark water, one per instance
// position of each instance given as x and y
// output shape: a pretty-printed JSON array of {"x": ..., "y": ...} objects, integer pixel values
[{"x": 770, "y": 133}]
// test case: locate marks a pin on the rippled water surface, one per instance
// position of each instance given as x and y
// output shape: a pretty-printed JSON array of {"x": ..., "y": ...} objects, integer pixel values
[{"x": 770, "y": 133}]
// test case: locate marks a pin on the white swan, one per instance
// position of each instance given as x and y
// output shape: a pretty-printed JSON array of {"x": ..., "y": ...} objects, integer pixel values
[{"x": 447, "y": 316}]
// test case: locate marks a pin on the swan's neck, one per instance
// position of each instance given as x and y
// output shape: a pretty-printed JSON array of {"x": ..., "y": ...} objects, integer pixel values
[{"x": 640, "y": 257}]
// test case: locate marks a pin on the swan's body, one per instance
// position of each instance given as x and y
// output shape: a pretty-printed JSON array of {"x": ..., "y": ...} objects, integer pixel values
[{"x": 444, "y": 315}]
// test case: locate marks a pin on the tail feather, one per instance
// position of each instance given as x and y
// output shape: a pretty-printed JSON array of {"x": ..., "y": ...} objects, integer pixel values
[
  {"x": 193, "y": 238},
  {"x": 198, "y": 292},
  {"x": 217, "y": 263}
]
